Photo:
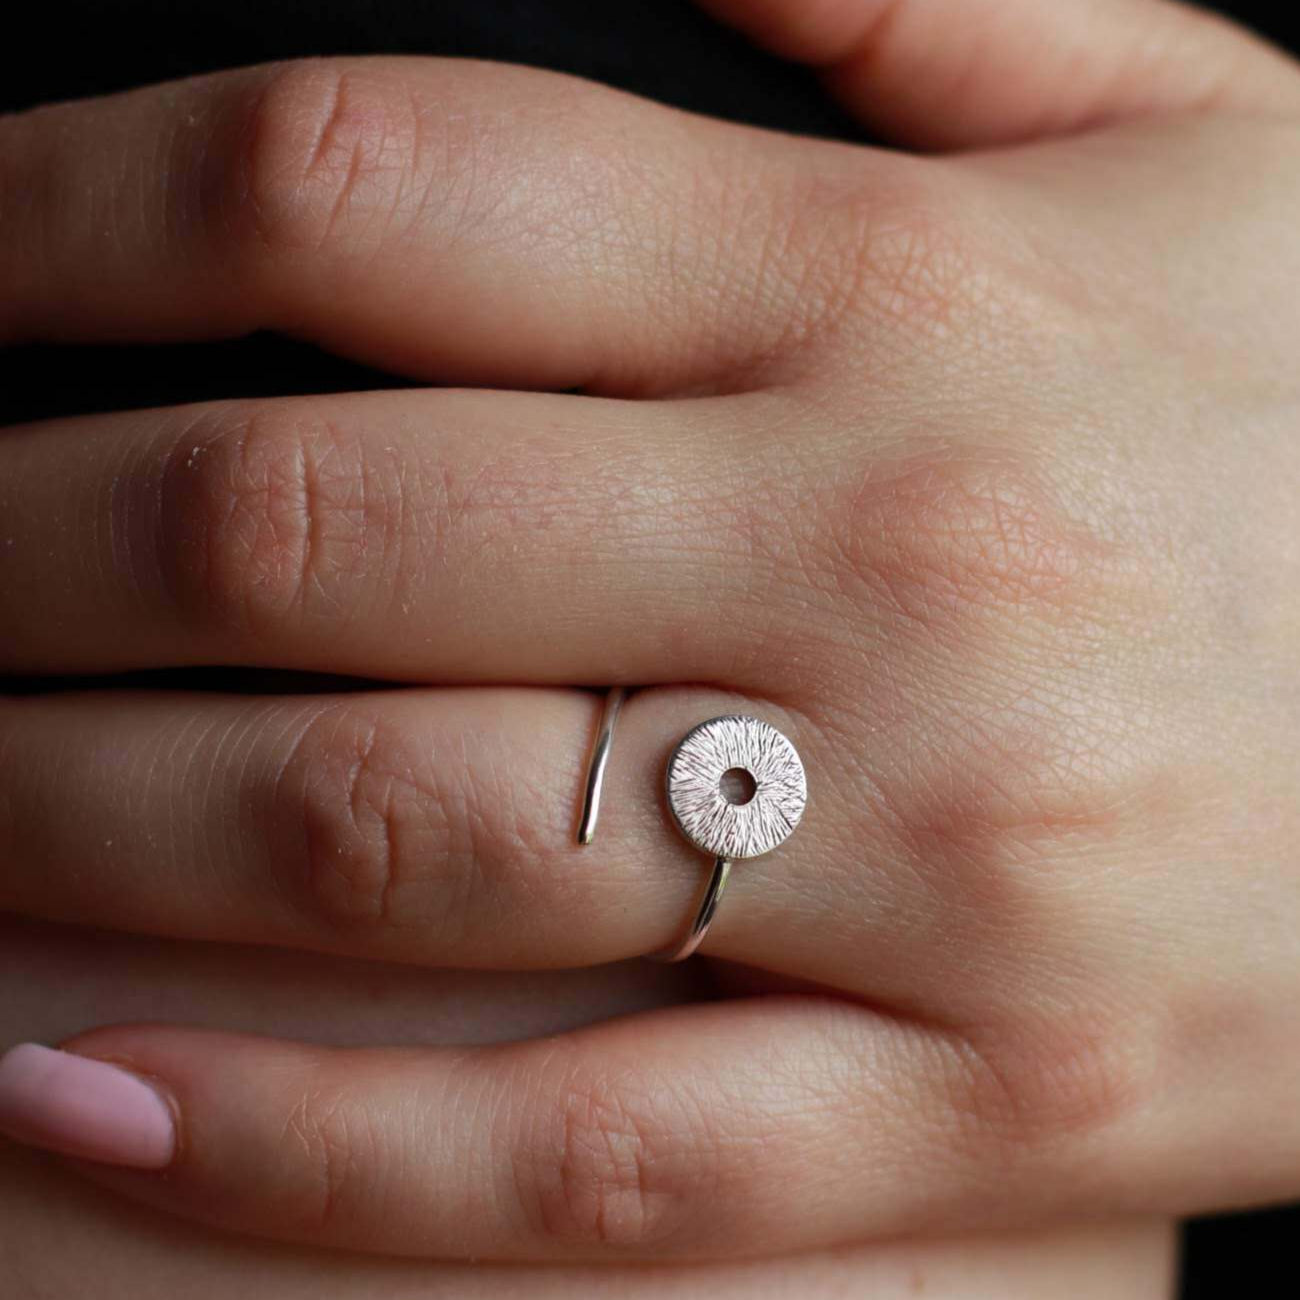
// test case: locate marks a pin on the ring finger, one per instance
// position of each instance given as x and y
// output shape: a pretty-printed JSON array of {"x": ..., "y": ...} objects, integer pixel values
[
  {"x": 425, "y": 826},
  {"x": 436, "y": 827}
]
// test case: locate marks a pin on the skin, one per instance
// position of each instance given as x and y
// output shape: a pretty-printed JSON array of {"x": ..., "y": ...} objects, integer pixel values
[
  {"x": 975, "y": 473},
  {"x": 55, "y": 1231}
]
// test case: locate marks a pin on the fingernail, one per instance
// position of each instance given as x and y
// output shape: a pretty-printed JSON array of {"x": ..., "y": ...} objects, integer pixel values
[{"x": 79, "y": 1107}]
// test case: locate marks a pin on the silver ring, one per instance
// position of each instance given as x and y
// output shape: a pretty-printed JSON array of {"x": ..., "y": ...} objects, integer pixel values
[
  {"x": 736, "y": 788},
  {"x": 597, "y": 764}
]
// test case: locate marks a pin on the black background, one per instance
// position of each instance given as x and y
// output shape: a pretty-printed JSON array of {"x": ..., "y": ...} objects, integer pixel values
[{"x": 661, "y": 48}]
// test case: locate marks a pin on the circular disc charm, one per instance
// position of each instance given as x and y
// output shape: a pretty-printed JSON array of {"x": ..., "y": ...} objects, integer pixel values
[{"x": 699, "y": 803}]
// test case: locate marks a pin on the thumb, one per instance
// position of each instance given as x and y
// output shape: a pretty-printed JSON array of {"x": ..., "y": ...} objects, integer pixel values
[{"x": 952, "y": 74}]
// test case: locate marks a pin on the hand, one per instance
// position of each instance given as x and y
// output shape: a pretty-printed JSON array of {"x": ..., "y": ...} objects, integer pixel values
[{"x": 979, "y": 481}]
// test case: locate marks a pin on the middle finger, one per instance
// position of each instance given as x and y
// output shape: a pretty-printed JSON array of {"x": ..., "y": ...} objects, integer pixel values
[{"x": 433, "y": 536}]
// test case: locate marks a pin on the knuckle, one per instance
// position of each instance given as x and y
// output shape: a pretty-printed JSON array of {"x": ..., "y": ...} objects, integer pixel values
[
  {"x": 358, "y": 823},
  {"x": 325, "y": 152},
  {"x": 265, "y": 515},
  {"x": 918, "y": 267},
  {"x": 612, "y": 1170},
  {"x": 1032, "y": 1086},
  {"x": 331, "y": 1149},
  {"x": 904, "y": 261},
  {"x": 1005, "y": 606},
  {"x": 406, "y": 843},
  {"x": 956, "y": 531},
  {"x": 341, "y": 156}
]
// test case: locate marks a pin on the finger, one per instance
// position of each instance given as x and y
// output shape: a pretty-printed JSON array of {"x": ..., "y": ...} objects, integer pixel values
[
  {"x": 432, "y": 827},
  {"x": 60, "y": 978},
  {"x": 437, "y": 828},
  {"x": 57, "y": 1233},
  {"x": 956, "y": 74},
  {"x": 755, "y": 1127},
  {"x": 435, "y": 536},
  {"x": 446, "y": 219}
]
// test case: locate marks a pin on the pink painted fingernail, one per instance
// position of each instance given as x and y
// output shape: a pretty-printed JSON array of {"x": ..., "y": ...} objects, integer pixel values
[{"x": 84, "y": 1108}]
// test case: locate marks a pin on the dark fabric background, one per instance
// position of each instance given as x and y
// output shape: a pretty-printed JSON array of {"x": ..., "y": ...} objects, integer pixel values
[{"x": 661, "y": 48}]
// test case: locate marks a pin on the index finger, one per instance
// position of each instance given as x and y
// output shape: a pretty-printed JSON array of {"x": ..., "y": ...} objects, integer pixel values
[{"x": 452, "y": 220}]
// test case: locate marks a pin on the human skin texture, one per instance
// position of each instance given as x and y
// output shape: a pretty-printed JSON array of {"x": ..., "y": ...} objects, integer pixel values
[
  {"x": 974, "y": 471},
  {"x": 61, "y": 1238}
]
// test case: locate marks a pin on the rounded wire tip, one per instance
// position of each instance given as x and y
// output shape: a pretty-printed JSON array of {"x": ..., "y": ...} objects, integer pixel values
[{"x": 600, "y": 750}]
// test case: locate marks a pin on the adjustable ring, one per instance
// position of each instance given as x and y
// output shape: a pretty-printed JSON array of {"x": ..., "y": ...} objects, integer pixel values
[
  {"x": 736, "y": 788},
  {"x": 599, "y": 761}
]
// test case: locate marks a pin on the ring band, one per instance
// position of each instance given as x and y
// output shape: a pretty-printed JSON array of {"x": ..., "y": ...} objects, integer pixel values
[
  {"x": 726, "y": 822},
  {"x": 599, "y": 761},
  {"x": 704, "y": 914}
]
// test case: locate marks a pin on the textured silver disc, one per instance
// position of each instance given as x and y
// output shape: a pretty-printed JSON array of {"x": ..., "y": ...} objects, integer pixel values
[{"x": 695, "y": 787}]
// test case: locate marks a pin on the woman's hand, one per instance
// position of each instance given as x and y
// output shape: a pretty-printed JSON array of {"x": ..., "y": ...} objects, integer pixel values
[{"x": 980, "y": 481}]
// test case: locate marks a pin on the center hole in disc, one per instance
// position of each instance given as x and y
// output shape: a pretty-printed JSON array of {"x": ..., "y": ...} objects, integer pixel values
[{"x": 738, "y": 786}]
